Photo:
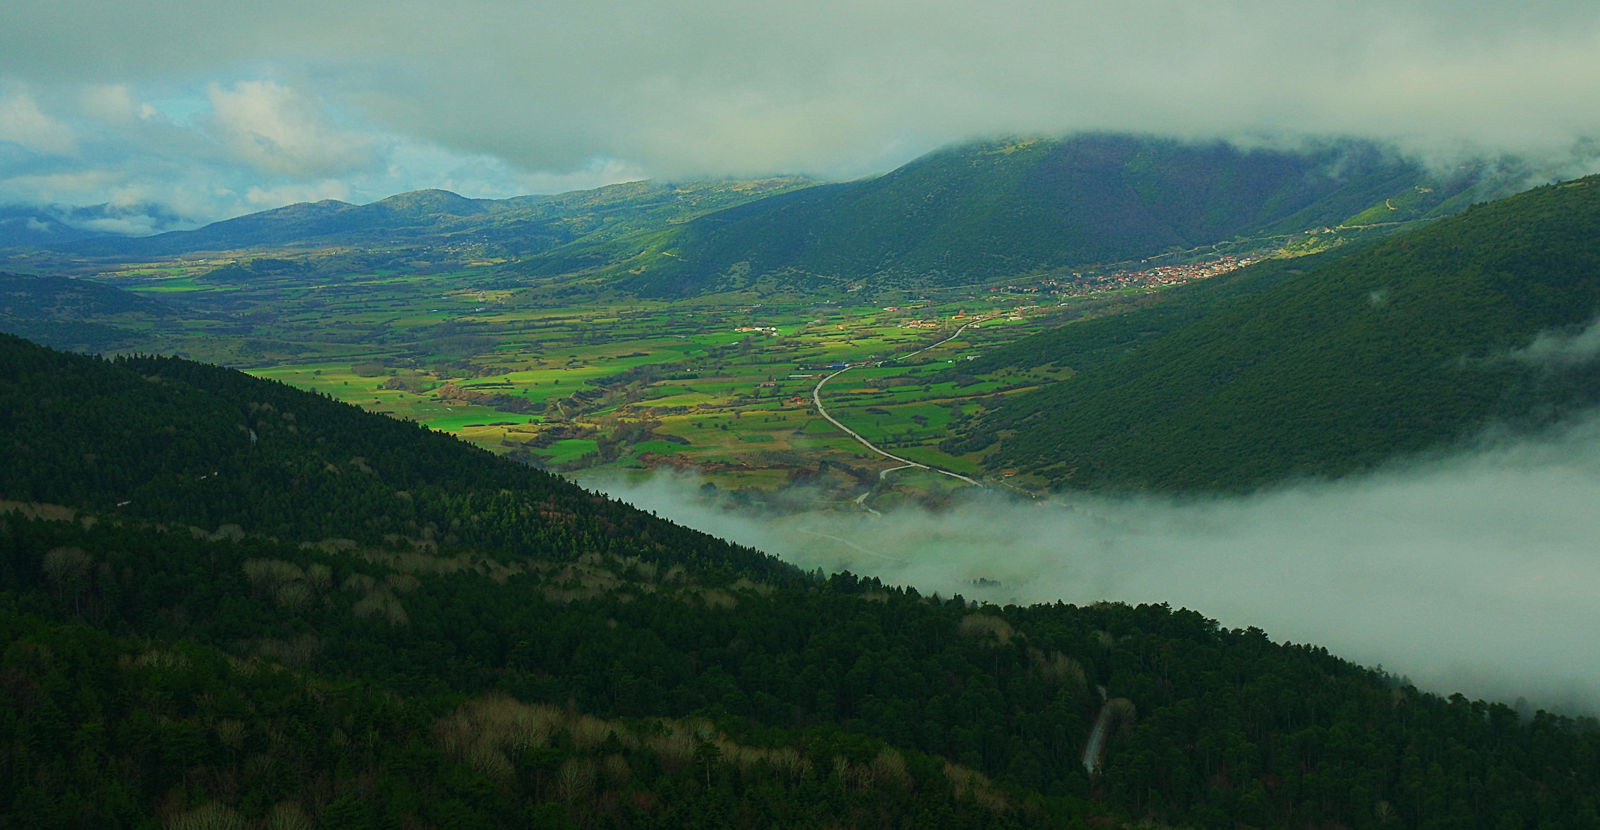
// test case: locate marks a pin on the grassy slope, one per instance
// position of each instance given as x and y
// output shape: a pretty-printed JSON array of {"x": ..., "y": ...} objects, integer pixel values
[{"x": 1389, "y": 351}]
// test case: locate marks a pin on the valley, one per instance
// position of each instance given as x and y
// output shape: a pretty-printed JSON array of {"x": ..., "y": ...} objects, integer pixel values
[
  {"x": 1082, "y": 416},
  {"x": 728, "y": 387},
  {"x": 1280, "y": 419},
  {"x": 691, "y": 327}
]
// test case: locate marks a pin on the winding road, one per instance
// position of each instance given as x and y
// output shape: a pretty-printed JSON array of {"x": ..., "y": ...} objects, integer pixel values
[
  {"x": 905, "y": 463},
  {"x": 816, "y": 400}
]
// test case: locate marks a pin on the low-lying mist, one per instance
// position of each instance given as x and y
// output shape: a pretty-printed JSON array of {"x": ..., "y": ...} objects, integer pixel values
[{"x": 1477, "y": 573}]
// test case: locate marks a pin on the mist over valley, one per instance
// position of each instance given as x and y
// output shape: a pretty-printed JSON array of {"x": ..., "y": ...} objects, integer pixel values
[
  {"x": 1049, "y": 415},
  {"x": 1472, "y": 573}
]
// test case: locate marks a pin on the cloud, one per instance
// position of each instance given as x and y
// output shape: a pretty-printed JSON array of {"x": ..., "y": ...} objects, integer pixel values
[
  {"x": 265, "y": 199},
  {"x": 133, "y": 225},
  {"x": 1476, "y": 573},
  {"x": 280, "y": 130},
  {"x": 22, "y": 123},
  {"x": 1561, "y": 349},
  {"x": 74, "y": 185},
  {"x": 110, "y": 103},
  {"x": 223, "y": 149},
  {"x": 831, "y": 87}
]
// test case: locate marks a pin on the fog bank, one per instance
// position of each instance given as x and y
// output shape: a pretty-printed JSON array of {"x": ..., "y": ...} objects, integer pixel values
[{"x": 1477, "y": 573}]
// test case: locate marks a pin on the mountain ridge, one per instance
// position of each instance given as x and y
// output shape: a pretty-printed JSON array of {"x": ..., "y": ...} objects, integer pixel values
[
  {"x": 960, "y": 215},
  {"x": 977, "y": 212},
  {"x": 519, "y": 224}
]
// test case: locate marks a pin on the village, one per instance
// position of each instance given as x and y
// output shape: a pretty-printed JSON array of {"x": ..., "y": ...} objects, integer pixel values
[{"x": 1085, "y": 284}]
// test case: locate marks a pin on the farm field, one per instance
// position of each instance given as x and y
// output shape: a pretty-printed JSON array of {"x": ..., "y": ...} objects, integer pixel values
[{"x": 719, "y": 387}]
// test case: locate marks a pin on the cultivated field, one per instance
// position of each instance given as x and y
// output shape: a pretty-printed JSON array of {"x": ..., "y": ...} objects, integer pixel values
[{"x": 581, "y": 381}]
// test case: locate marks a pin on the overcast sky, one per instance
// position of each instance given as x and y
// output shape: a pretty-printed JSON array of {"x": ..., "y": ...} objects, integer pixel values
[{"x": 226, "y": 106}]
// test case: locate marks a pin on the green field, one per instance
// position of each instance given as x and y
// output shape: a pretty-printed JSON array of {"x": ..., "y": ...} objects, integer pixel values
[{"x": 722, "y": 385}]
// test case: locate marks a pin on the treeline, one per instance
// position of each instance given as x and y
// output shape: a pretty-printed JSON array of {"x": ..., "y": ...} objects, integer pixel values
[
  {"x": 104, "y": 732},
  {"x": 171, "y": 440}
]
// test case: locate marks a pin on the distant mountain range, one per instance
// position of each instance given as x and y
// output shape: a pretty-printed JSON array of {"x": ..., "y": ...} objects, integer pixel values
[
  {"x": 959, "y": 216},
  {"x": 509, "y": 227},
  {"x": 1314, "y": 366},
  {"x": 1320, "y": 367},
  {"x": 43, "y": 226}
]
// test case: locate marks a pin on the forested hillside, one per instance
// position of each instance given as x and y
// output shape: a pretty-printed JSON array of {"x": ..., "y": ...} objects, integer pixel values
[
  {"x": 69, "y": 313},
  {"x": 175, "y": 441},
  {"x": 977, "y": 212},
  {"x": 1321, "y": 368},
  {"x": 251, "y": 606}
]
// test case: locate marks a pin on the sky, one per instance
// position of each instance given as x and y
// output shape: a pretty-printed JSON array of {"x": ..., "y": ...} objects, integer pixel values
[{"x": 217, "y": 108}]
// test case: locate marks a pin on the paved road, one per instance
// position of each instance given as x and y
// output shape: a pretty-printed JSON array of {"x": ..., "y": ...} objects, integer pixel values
[
  {"x": 905, "y": 463},
  {"x": 816, "y": 400},
  {"x": 963, "y": 328}
]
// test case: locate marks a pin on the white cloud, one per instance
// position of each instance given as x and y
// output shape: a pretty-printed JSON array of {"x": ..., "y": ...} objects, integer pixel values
[
  {"x": 75, "y": 186},
  {"x": 24, "y": 124},
  {"x": 279, "y": 130},
  {"x": 490, "y": 177},
  {"x": 134, "y": 225},
  {"x": 111, "y": 103},
  {"x": 261, "y": 198},
  {"x": 598, "y": 172},
  {"x": 1562, "y": 349},
  {"x": 505, "y": 94},
  {"x": 115, "y": 105},
  {"x": 1476, "y": 573}
]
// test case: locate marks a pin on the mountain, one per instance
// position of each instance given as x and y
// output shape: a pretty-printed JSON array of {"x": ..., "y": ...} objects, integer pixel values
[
  {"x": 983, "y": 211},
  {"x": 518, "y": 226},
  {"x": 1322, "y": 368},
  {"x": 224, "y": 602},
  {"x": 41, "y": 226},
  {"x": 72, "y": 313},
  {"x": 959, "y": 216}
]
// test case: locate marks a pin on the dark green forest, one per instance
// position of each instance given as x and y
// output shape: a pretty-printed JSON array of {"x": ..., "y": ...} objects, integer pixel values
[
  {"x": 227, "y": 603},
  {"x": 1304, "y": 368}
]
